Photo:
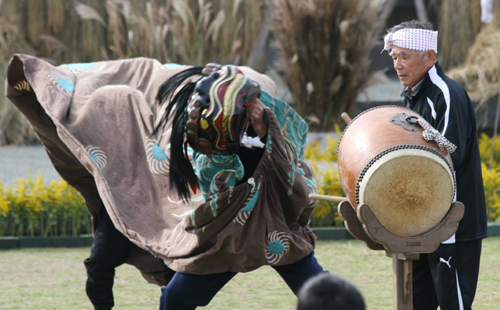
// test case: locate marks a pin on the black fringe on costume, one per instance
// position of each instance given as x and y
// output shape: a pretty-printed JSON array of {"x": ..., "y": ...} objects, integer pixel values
[{"x": 182, "y": 175}]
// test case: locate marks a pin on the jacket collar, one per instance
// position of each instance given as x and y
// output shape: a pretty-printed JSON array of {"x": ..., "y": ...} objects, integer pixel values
[{"x": 424, "y": 83}]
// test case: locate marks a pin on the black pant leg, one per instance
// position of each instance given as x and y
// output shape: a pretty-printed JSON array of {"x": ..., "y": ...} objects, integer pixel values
[
  {"x": 468, "y": 270},
  {"x": 447, "y": 277},
  {"x": 455, "y": 270},
  {"x": 109, "y": 250},
  {"x": 189, "y": 291},
  {"x": 296, "y": 274},
  {"x": 424, "y": 293}
]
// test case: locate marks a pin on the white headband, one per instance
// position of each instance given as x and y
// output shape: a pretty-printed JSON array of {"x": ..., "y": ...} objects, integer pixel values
[{"x": 414, "y": 39}]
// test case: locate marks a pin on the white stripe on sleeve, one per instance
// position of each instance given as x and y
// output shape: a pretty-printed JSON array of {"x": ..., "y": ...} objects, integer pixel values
[
  {"x": 438, "y": 81},
  {"x": 431, "y": 105}
]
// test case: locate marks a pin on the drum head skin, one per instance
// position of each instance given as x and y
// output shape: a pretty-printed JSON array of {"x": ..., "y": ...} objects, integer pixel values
[{"x": 409, "y": 190}]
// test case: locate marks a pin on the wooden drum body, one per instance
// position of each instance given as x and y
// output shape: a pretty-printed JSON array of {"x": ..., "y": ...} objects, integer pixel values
[{"x": 385, "y": 162}]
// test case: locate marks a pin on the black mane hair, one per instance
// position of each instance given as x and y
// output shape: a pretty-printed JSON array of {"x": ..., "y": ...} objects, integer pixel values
[{"x": 176, "y": 93}]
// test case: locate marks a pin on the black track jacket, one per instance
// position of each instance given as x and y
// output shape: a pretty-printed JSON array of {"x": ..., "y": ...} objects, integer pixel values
[{"x": 444, "y": 103}]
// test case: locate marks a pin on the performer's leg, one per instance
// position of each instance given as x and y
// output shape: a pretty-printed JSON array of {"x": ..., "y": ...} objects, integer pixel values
[
  {"x": 188, "y": 291},
  {"x": 109, "y": 250},
  {"x": 424, "y": 294},
  {"x": 455, "y": 270},
  {"x": 299, "y": 272}
]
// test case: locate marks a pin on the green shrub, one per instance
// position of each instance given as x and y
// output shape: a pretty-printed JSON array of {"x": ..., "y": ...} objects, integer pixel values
[
  {"x": 30, "y": 208},
  {"x": 324, "y": 164},
  {"x": 491, "y": 176},
  {"x": 485, "y": 146}
]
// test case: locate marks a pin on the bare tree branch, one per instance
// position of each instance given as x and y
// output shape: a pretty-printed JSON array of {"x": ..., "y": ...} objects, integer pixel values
[
  {"x": 261, "y": 40},
  {"x": 421, "y": 11},
  {"x": 382, "y": 21}
]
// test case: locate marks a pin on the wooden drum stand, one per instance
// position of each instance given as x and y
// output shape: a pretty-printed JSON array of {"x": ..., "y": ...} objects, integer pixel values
[{"x": 364, "y": 225}]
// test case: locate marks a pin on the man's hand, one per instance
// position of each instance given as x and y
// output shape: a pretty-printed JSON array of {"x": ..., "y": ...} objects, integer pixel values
[
  {"x": 257, "y": 118},
  {"x": 210, "y": 68}
]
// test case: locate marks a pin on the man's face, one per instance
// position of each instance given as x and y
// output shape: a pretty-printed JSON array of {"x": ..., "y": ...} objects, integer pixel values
[{"x": 409, "y": 66}]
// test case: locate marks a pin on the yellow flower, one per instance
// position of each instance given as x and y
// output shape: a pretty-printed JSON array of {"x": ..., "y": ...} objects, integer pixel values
[
  {"x": 491, "y": 181},
  {"x": 312, "y": 151},
  {"x": 4, "y": 205}
]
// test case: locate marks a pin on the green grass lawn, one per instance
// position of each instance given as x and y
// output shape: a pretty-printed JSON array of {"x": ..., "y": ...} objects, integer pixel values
[{"x": 55, "y": 279}]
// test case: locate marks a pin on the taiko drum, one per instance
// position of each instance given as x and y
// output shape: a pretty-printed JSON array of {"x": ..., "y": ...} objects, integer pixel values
[{"x": 385, "y": 162}]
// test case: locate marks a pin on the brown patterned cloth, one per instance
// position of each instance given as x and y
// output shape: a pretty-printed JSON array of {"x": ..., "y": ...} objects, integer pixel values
[{"x": 95, "y": 121}]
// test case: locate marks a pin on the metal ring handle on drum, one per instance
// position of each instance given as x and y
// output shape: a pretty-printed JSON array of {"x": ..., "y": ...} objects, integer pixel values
[{"x": 412, "y": 120}]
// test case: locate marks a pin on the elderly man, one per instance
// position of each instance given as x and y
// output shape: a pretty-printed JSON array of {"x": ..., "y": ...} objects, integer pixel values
[{"x": 447, "y": 277}]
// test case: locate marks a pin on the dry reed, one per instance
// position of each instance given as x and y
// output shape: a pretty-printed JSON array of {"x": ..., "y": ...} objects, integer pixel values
[
  {"x": 480, "y": 74},
  {"x": 184, "y": 31},
  {"x": 181, "y": 31},
  {"x": 325, "y": 46},
  {"x": 459, "y": 23},
  {"x": 14, "y": 129}
]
